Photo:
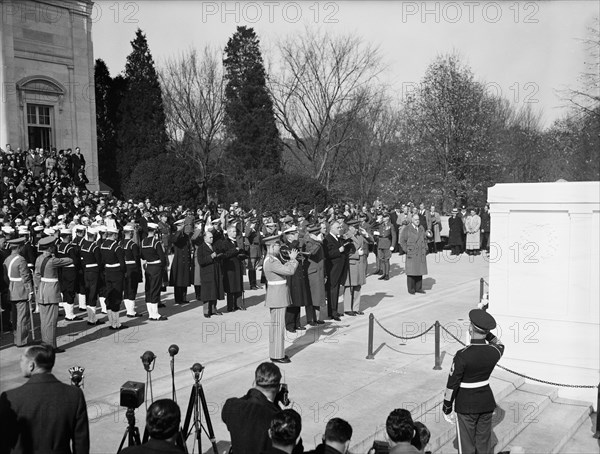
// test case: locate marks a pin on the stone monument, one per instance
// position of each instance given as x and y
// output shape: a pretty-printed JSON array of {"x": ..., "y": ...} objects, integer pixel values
[{"x": 544, "y": 280}]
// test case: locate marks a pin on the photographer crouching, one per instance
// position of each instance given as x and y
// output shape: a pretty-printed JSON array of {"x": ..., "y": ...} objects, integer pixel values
[{"x": 248, "y": 418}]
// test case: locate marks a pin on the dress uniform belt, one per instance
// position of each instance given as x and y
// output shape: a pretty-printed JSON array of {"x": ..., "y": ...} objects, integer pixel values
[
  {"x": 91, "y": 265},
  {"x": 277, "y": 282},
  {"x": 112, "y": 265},
  {"x": 478, "y": 384},
  {"x": 49, "y": 279},
  {"x": 70, "y": 266},
  {"x": 15, "y": 279},
  {"x": 155, "y": 262},
  {"x": 129, "y": 262}
]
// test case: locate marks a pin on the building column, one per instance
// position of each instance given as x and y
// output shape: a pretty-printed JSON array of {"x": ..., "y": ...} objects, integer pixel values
[{"x": 4, "y": 137}]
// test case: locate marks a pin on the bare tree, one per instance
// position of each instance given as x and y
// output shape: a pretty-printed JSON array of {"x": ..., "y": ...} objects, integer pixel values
[
  {"x": 193, "y": 89},
  {"x": 319, "y": 91}
]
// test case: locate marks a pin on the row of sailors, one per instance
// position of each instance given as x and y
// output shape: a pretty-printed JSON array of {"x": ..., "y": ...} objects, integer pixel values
[{"x": 102, "y": 270}]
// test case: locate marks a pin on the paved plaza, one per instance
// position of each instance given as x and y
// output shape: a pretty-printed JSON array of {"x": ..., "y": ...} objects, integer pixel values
[{"x": 328, "y": 376}]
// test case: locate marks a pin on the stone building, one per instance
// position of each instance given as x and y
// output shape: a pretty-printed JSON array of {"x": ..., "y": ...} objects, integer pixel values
[{"x": 47, "y": 77}]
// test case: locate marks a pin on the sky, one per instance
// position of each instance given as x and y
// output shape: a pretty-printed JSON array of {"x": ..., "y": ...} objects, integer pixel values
[{"x": 527, "y": 51}]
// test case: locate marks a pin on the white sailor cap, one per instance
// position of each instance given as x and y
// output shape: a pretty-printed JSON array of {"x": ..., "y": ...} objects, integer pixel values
[
  {"x": 292, "y": 229},
  {"x": 101, "y": 228},
  {"x": 112, "y": 230},
  {"x": 152, "y": 226},
  {"x": 80, "y": 227},
  {"x": 91, "y": 231},
  {"x": 128, "y": 228},
  {"x": 65, "y": 232},
  {"x": 49, "y": 231}
]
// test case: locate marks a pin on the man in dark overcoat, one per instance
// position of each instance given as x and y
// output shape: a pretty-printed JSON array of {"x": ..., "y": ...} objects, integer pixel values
[
  {"x": 314, "y": 267},
  {"x": 336, "y": 267},
  {"x": 211, "y": 276},
  {"x": 455, "y": 225},
  {"x": 232, "y": 249},
  {"x": 181, "y": 275},
  {"x": 414, "y": 242}
]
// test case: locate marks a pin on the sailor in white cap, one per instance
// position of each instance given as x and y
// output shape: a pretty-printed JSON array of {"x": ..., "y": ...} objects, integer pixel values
[
  {"x": 78, "y": 238},
  {"x": 90, "y": 262},
  {"x": 113, "y": 260},
  {"x": 134, "y": 270},
  {"x": 68, "y": 275},
  {"x": 101, "y": 235},
  {"x": 156, "y": 261}
]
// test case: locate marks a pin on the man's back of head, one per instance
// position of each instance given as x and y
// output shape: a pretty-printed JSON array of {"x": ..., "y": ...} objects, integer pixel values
[
  {"x": 399, "y": 426},
  {"x": 163, "y": 419},
  {"x": 38, "y": 359},
  {"x": 338, "y": 433},
  {"x": 267, "y": 376},
  {"x": 285, "y": 430}
]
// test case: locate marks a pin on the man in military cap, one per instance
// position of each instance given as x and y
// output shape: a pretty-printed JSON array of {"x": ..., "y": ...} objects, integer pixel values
[
  {"x": 386, "y": 243},
  {"x": 47, "y": 287},
  {"x": 252, "y": 239},
  {"x": 153, "y": 254},
  {"x": 79, "y": 231},
  {"x": 68, "y": 274},
  {"x": 20, "y": 290},
  {"x": 91, "y": 261},
  {"x": 134, "y": 270},
  {"x": 468, "y": 386},
  {"x": 278, "y": 295}
]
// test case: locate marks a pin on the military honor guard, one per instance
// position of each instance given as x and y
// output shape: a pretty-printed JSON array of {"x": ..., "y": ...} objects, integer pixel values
[
  {"x": 101, "y": 235},
  {"x": 45, "y": 278},
  {"x": 68, "y": 274},
  {"x": 278, "y": 295},
  {"x": 113, "y": 261},
  {"x": 20, "y": 290},
  {"x": 79, "y": 237},
  {"x": 91, "y": 261},
  {"x": 413, "y": 242},
  {"x": 134, "y": 270},
  {"x": 152, "y": 253},
  {"x": 468, "y": 390}
]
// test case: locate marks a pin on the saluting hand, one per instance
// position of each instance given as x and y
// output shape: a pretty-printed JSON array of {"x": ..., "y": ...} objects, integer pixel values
[{"x": 293, "y": 254}]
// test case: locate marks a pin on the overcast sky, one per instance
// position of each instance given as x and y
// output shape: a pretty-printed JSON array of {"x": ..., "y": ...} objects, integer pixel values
[{"x": 524, "y": 50}]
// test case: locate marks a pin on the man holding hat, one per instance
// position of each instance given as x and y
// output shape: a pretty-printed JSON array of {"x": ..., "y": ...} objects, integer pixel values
[
  {"x": 153, "y": 254},
  {"x": 20, "y": 290},
  {"x": 278, "y": 295},
  {"x": 468, "y": 385},
  {"x": 46, "y": 282}
]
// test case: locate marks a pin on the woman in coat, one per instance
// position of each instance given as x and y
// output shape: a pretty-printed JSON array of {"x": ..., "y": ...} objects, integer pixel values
[
  {"x": 357, "y": 275},
  {"x": 473, "y": 227},
  {"x": 414, "y": 243}
]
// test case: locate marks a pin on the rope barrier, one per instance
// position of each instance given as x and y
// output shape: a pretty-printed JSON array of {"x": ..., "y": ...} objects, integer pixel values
[{"x": 402, "y": 337}]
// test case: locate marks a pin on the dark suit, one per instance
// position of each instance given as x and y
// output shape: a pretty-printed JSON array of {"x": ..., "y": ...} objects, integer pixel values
[
  {"x": 233, "y": 271},
  {"x": 45, "y": 415},
  {"x": 211, "y": 279},
  {"x": 336, "y": 267}
]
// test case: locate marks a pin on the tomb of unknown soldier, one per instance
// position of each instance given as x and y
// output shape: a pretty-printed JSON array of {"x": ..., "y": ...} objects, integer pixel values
[{"x": 226, "y": 297}]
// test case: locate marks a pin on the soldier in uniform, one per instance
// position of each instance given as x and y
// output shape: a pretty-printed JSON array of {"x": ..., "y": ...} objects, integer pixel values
[
  {"x": 113, "y": 261},
  {"x": 357, "y": 276},
  {"x": 153, "y": 254},
  {"x": 28, "y": 250},
  {"x": 134, "y": 270},
  {"x": 79, "y": 238},
  {"x": 386, "y": 245},
  {"x": 91, "y": 262},
  {"x": 101, "y": 284},
  {"x": 253, "y": 242},
  {"x": 68, "y": 274},
  {"x": 468, "y": 388},
  {"x": 20, "y": 290},
  {"x": 45, "y": 278},
  {"x": 314, "y": 267},
  {"x": 278, "y": 295}
]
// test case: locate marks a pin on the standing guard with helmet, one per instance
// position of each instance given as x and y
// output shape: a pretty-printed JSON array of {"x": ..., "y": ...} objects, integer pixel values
[
  {"x": 134, "y": 270},
  {"x": 468, "y": 385},
  {"x": 68, "y": 274},
  {"x": 47, "y": 287},
  {"x": 278, "y": 295},
  {"x": 153, "y": 254},
  {"x": 91, "y": 261},
  {"x": 113, "y": 260}
]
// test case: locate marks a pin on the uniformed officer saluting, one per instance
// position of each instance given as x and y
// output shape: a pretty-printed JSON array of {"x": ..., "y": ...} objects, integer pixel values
[
  {"x": 278, "y": 295},
  {"x": 468, "y": 385}
]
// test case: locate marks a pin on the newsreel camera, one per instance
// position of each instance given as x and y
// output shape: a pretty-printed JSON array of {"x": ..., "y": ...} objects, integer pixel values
[{"x": 131, "y": 397}]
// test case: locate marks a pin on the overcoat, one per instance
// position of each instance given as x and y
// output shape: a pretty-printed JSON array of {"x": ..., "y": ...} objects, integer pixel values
[
  {"x": 455, "y": 226},
  {"x": 357, "y": 271},
  {"x": 434, "y": 223},
  {"x": 233, "y": 271},
  {"x": 314, "y": 266},
  {"x": 473, "y": 226},
  {"x": 297, "y": 282},
  {"x": 181, "y": 274},
  {"x": 211, "y": 276},
  {"x": 414, "y": 243},
  {"x": 336, "y": 262}
]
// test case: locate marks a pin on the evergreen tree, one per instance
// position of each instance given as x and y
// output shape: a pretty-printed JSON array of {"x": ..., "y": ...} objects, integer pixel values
[
  {"x": 105, "y": 128},
  {"x": 254, "y": 150},
  {"x": 141, "y": 132}
]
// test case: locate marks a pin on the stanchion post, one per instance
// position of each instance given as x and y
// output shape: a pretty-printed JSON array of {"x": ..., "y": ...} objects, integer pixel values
[
  {"x": 438, "y": 360},
  {"x": 481, "y": 282},
  {"x": 597, "y": 434},
  {"x": 371, "y": 328}
]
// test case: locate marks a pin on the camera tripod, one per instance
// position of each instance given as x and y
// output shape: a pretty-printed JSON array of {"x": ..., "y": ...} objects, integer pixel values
[
  {"x": 197, "y": 400},
  {"x": 132, "y": 433}
]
